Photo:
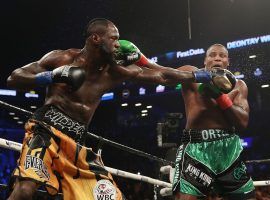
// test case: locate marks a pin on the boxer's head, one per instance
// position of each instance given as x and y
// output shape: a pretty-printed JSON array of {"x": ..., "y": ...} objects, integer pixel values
[
  {"x": 103, "y": 34},
  {"x": 216, "y": 56}
]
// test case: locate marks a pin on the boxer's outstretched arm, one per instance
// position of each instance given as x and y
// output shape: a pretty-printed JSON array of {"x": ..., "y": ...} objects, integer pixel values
[
  {"x": 238, "y": 113},
  {"x": 157, "y": 74}
]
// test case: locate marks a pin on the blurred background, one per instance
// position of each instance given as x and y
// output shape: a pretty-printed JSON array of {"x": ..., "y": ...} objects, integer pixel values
[{"x": 171, "y": 33}]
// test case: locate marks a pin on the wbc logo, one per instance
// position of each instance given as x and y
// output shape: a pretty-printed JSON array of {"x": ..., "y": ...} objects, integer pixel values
[{"x": 104, "y": 190}]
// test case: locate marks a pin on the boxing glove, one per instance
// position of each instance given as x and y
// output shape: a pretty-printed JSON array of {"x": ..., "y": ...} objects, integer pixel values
[
  {"x": 71, "y": 75},
  {"x": 222, "y": 78},
  {"x": 128, "y": 54}
]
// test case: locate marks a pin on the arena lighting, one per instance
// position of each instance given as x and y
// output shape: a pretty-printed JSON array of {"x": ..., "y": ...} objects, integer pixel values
[
  {"x": 170, "y": 55},
  {"x": 179, "y": 86},
  {"x": 252, "y": 56},
  {"x": 142, "y": 91},
  {"x": 33, "y": 107},
  {"x": 20, "y": 122},
  {"x": 154, "y": 59},
  {"x": 144, "y": 111},
  {"x": 8, "y": 92},
  {"x": 240, "y": 76},
  {"x": 125, "y": 93},
  {"x": 265, "y": 86},
  {"x": 149, "y": 106},
  {"x": 246, "y": 142},
  {"x": 107, "y": 96},
  {"x": 160, "y": 88},
  {"x": 11, "y": 113},
  {"x": 257, "y": 72},
  {"x": 124, "y": 104},
  {"x": 16, "y": 118},
  {"x": 138, "y": 104},
  {"x": 144, "y": 114},
  {"x": 31, "y": 94}
]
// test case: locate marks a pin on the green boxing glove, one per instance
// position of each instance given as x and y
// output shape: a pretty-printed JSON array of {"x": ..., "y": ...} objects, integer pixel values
[
  {"x": 209, "y": 90},
  {"x": 212, "y": 91},
  {"x": 128, "y": 54}
]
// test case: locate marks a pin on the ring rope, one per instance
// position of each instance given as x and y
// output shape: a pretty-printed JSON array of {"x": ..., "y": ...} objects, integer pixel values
[
  {"x": 17, "y": 147},
  {"x": 258, "y": 161},
  {"x": 104, "y": 140}
]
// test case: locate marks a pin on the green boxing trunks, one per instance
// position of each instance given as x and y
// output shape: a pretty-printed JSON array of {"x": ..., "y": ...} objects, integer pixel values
[{"x": 209, "y": 160}]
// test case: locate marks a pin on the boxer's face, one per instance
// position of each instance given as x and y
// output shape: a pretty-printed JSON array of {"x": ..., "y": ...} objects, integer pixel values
[
  {"x": 216, "y": 56},
  {"x": 109, "y": 43}
]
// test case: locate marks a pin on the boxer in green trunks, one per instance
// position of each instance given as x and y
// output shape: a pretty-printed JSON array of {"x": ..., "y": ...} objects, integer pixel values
[{"x": 209, "y": 157}]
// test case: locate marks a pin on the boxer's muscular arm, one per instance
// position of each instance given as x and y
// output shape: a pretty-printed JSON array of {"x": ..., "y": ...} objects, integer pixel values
[
  {"x": 23, "y": 78},
  {"x": 125, "y": 72},
  {"x": 238, "y": 113},
  {"x": 156, "y": 74}
]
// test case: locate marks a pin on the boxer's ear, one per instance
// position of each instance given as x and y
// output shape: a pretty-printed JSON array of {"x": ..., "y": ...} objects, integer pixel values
[{"x": 95, "y": 38}]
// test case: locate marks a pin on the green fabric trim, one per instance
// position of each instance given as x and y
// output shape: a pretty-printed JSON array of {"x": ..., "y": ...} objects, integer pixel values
[
  {"x": 248, "y": 187},
  {"x": 187, "y": 188}
]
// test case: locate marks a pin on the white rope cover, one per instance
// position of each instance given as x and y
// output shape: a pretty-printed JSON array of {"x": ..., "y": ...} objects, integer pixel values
[{"x": 17, "y": 147}]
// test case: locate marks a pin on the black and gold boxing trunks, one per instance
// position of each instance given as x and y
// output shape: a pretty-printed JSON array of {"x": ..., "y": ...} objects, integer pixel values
[{"x": 52, "y": 156}]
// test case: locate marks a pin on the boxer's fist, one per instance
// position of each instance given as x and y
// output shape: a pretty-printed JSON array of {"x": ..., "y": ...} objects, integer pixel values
[
  {"x": 223, "y": 79},
  {"x": 71, "y": 75},
  {"x": 128, "y": 54}
]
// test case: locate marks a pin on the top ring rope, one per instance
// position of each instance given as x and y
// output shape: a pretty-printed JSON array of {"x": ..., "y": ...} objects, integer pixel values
[
  {"x": 258, "y": 161},
  {"x": 103, "y": 140}
]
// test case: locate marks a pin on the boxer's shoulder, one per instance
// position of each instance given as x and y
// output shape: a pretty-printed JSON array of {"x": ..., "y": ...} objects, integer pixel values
[{"x": 59, "y": 57}]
